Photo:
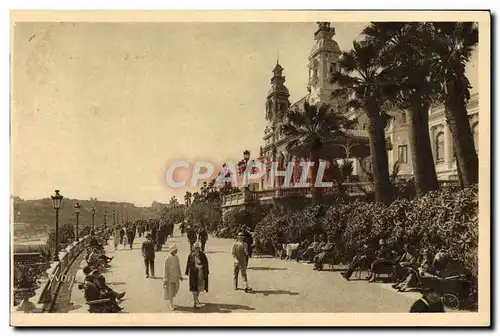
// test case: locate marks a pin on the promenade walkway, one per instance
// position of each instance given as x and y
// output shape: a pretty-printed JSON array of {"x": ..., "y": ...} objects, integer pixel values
[{"x": 278, "y": 286}]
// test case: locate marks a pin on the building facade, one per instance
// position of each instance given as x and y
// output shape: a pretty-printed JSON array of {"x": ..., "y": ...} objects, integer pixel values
[{"x": 323, "y": 60}]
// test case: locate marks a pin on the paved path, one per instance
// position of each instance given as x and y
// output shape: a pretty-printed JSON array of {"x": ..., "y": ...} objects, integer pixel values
[{"x": 278, "y": 286}]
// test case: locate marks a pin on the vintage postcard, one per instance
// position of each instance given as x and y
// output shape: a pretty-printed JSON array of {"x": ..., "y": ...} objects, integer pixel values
[{"x": 250, "y": 168}]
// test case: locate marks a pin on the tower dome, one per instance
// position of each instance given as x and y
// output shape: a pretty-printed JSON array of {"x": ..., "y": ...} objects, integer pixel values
[{"x": 277, "y": 97}]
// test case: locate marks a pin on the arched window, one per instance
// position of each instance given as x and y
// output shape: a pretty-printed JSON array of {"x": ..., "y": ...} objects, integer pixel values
[
  {"x": 475, "y": 134},
  {"x": 440, "y": 147}
]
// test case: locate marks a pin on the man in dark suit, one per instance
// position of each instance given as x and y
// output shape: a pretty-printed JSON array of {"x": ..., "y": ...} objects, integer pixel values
[
  {"x": 191, "y": 236},
  {"x": 148, "y": 253},
  {"x": 203, "y": 235},
  {"x": 249, "y": 241},
  {"x": 430, "y": 302}
]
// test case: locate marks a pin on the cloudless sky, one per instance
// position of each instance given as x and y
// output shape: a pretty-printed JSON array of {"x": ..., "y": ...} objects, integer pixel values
[{"x": 101, "y": 109}]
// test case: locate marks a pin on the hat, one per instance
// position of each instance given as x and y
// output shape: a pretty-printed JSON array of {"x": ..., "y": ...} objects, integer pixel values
[
  {"x": 148, "y": 235},
  {"x": 96, "y": 271},
  {"x": 172, "y": 248},
  {"x": 197, "y": 245},
  {"x": 241, "y": 235}
]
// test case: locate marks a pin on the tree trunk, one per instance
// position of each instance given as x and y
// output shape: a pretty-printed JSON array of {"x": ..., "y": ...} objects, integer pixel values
[
  {"x": 463, "y": 141},
  {"x": 378, "y": 154},
  {"x": 420, "y": 146}
]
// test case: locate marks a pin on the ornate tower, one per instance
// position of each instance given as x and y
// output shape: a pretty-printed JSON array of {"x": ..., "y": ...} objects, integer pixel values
[
  {"x": 322, "y": 62},
  {"x": 277, "y": 102}
]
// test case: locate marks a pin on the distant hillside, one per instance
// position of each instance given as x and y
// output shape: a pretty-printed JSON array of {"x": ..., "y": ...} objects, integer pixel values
[{"x": 39, "y": 215}]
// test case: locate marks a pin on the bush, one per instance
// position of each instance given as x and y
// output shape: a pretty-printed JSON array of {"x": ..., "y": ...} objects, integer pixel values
[
  {"x": 440, "y": 219},
  {"x": 204, "y": 213},
  {"x": 235, "y": 218}
]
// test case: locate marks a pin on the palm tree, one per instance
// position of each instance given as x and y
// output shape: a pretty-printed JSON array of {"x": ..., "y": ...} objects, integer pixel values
[
  {"x": 365, "y": 85},
  {"x": 309, "y": 130},
  {"x": 187, "y": 198},
  {"x": 453, "y": 44},
  {"x": 173, "y": 201},
  {"x": 408, "y": 61}
]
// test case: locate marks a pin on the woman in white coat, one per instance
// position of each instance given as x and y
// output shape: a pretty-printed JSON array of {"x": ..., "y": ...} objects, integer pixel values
[{"x": 171, "y": 276}]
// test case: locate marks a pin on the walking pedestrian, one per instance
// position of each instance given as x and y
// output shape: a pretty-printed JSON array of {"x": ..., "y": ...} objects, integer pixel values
[
  {"x": 116, "y": 239},
  {"x": 248, "y": 241},
  {"x": 203, "y": 237},
  {"x": 172, "y": 276},
  {"x": 122, "y": 234},
  {"x": 130, "y": 236},
  {"x": 197, "y": 270},
  {"x": 148, "y": 253},
  {"x": 191, "y": 236},
  {"x": 240, "y": 255}
]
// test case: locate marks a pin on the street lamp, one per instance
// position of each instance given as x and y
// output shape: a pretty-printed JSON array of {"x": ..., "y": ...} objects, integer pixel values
[
  {"x": 246, "y": 155},
  {"x": 93, "y": 217},
  {"x": 56, "y": 203},
  {"x": 77, "y": 212},
  {"x": 105, "y": 213}
]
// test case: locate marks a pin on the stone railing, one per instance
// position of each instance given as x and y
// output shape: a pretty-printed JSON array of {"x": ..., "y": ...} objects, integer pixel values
[
  {"x": 239, "y": 198},
  {"x": 351, "y": 189},
  {"x": 448, "y": 184},
  {"x": 47, "y": 292},
  {"x": 359, "y": 188}
]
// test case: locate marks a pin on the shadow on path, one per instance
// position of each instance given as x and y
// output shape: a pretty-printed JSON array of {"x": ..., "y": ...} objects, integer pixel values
[
  {"x": 328, "y": 269},
  {"x": 214, "y": 308},
  {"x": 214, "y": 252},
  {"x": 273, "y": 292},
  {"x": 68, "y": 307},
  {"x": 264, "y": 268},
  {"x": 116, "y": 283}
]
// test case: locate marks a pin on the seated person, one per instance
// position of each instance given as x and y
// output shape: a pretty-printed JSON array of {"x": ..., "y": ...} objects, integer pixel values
[
  {"x": 305, "y": 252},
  {"x": 301, "y": 249},
  {"x": 99, "y": 280},
  {"x": 94, "y": 241},
  {"x": 364, "y": 257},
  {"x": 405, "y": 263},
  {"x": 92, "y": 293},
  {"x": 439, "y": 265},
  {"x": 413, "y": 272},
  {"x": 326, "y": 250},
  {"x": 97, "y": 258},
  {"x": 312, "y": 252},
  {"x": 382, "y": 256}
]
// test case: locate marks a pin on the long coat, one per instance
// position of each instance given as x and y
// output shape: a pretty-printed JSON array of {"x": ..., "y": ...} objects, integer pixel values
[{"x": 192, "y": 271}]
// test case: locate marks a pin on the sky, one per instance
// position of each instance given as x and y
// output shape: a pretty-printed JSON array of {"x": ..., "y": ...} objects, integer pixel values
[{"x": 101, "y": 109}]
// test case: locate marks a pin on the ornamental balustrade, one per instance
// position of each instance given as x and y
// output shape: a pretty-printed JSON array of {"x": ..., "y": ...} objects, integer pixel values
[{"x": 352, "y": 189}]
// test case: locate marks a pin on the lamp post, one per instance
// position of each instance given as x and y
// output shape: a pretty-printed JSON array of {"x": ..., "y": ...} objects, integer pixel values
[
  {"x": 242, "y": 165},
  {"x": 56, "y": 203},
  {"x": 77, "y": 212},
  {"x": 114, "y": 218},
  {"x": 93, "y": 218},
  {"x": 105, "y": 213}
]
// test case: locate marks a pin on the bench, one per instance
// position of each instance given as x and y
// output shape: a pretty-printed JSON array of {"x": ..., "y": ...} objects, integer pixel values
[
  {"x": 102, "y": 306},
  {"x": 383, "y": 267}
]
